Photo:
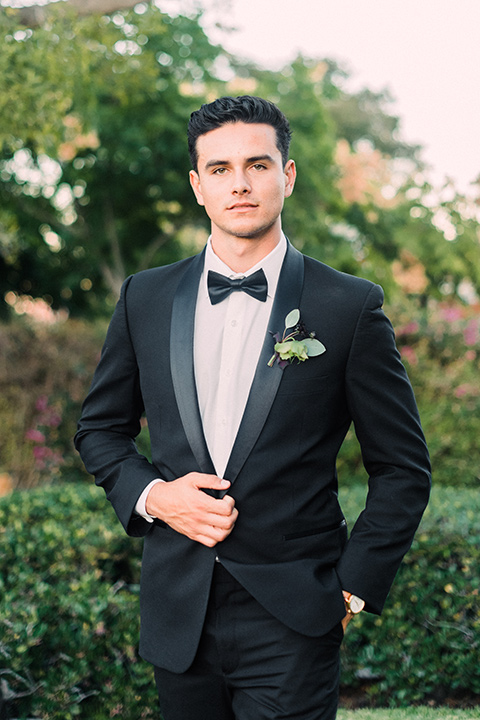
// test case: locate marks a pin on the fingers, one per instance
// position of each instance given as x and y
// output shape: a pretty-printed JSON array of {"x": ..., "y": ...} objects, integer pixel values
[
  {"x": 212, "y": 536},
  {"x": 202, "y": 480},
  {"x": 218, "y": 506},
  {"x": 184, "y": 506},
  {"x": 229, "y": 504}
]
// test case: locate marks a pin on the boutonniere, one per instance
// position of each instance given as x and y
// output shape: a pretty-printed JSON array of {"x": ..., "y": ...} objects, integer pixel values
[{"x": 295, "y": 343}]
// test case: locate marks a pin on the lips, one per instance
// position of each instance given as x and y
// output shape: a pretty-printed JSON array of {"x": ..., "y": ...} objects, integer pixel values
[{"x": 242, "y": 206}]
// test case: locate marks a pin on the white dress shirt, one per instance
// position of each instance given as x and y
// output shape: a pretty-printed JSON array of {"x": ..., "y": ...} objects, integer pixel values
[{"x": 228, "y": 339}]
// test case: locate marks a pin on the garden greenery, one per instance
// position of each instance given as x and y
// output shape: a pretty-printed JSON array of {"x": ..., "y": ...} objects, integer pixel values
[
  {"x": 69, "y": 609},
  {"x": 440, "y": 347},
  {"x": 93, "y": 188},
  {"x": 425, "y": 648},
  {"x": 45, "y": 372},
  {"x": 69, "y": 613},
  {"x": 69, "y": 576}
]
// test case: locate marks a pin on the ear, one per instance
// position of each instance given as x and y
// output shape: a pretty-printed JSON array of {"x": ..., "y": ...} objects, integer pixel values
[
  {"x": 290, "y": 172},
  {"x": 195, "y": 183}
]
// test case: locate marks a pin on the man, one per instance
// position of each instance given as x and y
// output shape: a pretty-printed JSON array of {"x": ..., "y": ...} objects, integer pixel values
[{"x": 248, "y": 580}]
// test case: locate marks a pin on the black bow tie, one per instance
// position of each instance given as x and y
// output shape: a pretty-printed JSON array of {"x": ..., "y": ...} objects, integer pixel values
[{"x": 220, "y": 287}]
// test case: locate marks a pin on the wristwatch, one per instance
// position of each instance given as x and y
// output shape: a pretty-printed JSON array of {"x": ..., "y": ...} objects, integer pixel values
[{"x": 353, "y": 603}]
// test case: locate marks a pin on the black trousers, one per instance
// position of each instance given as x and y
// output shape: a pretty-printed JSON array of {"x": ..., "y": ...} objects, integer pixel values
[{"x": 249, "y": 666}]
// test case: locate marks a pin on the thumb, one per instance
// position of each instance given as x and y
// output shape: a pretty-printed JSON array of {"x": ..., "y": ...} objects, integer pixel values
[{"x": 211, "y": 481}]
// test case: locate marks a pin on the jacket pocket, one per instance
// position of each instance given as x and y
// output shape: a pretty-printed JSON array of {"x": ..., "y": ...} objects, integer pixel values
[{"x": 315, "y": 531}]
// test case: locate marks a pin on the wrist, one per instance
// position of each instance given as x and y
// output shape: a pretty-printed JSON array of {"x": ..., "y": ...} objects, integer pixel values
[
  {"x": 153, "y": 497},
  {"x": 141, "y": 504}
]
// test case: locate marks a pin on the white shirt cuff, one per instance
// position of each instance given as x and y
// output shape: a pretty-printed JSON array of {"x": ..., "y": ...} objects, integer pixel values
[{"x": 141, "y": 502}]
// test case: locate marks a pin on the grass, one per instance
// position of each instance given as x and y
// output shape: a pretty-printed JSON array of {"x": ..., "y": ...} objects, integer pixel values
[{"x": 417, "y": 713}]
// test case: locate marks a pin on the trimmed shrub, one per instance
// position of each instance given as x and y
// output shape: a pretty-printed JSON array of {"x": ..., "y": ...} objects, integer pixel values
[
  {"x": 69, "y": 611},
  {"x": 426, "y": 645}
]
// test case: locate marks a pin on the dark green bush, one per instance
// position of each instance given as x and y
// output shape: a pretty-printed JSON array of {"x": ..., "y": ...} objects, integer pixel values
[
  {"x": 426, "y": 645},
  {"x": 69, "y": 610}
]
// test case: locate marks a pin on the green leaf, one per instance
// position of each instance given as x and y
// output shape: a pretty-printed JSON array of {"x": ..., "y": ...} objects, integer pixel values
[
  {"x": 314, "y": 347},
  {"x": 292, "y": 318}
]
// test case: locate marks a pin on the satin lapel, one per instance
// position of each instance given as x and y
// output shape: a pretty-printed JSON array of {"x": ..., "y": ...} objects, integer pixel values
[
  {"x": 181, "y": 362},
  {"x": 267, "y": 379}
]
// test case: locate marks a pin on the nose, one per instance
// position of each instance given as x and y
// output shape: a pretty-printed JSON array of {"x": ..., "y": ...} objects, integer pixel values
[{"x": 241, "y": 185}]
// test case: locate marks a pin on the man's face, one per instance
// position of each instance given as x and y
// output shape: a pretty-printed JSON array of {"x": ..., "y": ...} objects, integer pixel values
[{"x": 241, "y": 180}]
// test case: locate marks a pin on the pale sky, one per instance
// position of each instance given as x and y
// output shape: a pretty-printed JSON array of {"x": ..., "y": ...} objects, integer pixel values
[{"x": 426, "y": 52}]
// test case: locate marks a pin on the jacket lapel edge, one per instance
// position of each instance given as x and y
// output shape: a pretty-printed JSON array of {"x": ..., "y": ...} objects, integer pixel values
[
  {"x": 181, "y": 361},
  {"x": 267, "y": 379}
]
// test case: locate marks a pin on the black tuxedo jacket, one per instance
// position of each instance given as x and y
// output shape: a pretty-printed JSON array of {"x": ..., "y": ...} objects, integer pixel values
[{"x": 289, "y": 546}]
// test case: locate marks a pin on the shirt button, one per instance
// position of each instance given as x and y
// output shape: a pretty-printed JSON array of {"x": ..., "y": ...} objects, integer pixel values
[{"x": 234, "y": 323}]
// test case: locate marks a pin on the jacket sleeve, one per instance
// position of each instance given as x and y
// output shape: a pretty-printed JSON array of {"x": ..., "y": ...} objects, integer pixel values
[
  {"x": 395, "y": 456},
  {"x": 110, "y": 422}
]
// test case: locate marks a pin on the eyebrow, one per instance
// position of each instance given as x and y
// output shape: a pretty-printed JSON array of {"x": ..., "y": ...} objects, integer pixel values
[{"x": 254, "y": 159}]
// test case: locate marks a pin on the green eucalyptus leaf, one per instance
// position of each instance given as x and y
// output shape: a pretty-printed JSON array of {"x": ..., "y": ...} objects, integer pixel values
[
  {"x": 292, "y": 318},
  {"x": 314, "y": 347}
]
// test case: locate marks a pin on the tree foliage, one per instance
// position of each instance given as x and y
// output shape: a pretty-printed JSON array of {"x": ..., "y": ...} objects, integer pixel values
[
  {"x": 93, "y": 161},
  {"x": 94, "y": 165},
  {"x": 316, "y": 202}
]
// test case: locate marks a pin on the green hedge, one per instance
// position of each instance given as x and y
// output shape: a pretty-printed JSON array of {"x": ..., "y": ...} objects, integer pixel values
[
  {"x": 426, "y": 645},
  {"x": 69, "y": 610}
]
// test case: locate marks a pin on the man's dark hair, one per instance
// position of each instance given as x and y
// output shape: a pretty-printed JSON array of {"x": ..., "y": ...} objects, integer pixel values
[{"x": 246, "y": 109}]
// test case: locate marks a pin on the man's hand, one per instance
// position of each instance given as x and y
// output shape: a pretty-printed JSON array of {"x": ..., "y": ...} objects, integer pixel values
[
  {"x": 184, "y": 506},
  {"x": 353, "y": 606},
  {"x": 346, "y": 620}
]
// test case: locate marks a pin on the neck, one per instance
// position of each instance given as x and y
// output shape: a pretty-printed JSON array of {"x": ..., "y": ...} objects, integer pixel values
[{"x": 241, "y": 254}]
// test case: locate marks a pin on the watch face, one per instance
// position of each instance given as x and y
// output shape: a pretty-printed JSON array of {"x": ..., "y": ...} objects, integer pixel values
[{"x": 356, "y": 604}]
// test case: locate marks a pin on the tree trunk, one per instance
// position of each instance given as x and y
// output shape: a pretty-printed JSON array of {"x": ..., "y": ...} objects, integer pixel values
[
  {"x": 115, "y": 275},
  {"x": 112, "y": 280}
]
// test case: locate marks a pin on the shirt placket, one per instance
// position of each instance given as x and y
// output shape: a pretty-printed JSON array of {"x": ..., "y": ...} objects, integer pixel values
[{"x": 226, "y": 416}]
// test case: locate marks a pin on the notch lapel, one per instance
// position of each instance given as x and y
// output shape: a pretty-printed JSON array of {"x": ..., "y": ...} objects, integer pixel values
[
  {"x": 267, "y": 379},
  {"x": 181, "y": 361}
]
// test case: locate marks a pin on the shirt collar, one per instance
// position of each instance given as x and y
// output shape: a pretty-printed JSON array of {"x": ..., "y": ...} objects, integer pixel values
[{"x": 271, "y": 265}]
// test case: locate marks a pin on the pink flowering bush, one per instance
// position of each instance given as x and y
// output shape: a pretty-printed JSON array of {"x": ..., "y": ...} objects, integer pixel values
[
  {"x": 44, "y": 436},
  {"x": 439, "y": 344},
  {"x": 446, "y": 378},
  {"x": 45, "y": 372}
]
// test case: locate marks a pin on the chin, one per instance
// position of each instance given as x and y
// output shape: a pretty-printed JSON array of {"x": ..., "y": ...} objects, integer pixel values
[{"x": 251, "y": 233}]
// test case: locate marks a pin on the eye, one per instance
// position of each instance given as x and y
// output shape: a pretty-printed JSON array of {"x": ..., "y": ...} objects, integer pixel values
[
  {"x": 259, "y": 166},
  {"x": 220, "y": 171}
]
